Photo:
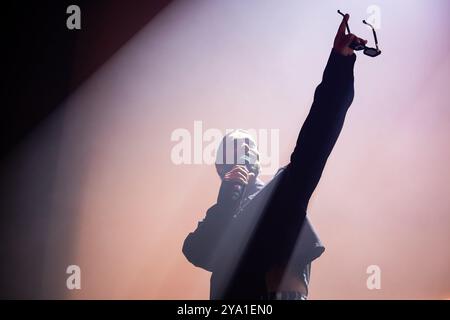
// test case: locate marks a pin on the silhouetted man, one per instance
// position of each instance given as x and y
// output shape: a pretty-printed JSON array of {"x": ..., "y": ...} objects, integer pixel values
[{"x": 256, "y": 239}]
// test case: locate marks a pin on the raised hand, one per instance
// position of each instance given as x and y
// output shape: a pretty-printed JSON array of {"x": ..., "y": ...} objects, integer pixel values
[{"x": 343, "y": 41}]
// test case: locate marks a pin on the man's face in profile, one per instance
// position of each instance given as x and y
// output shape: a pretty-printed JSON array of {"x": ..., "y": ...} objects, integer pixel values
[{"x": 237, "y": 149}]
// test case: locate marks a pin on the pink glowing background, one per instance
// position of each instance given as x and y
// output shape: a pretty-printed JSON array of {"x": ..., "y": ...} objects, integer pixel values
[{"x": 383, "y": 198}]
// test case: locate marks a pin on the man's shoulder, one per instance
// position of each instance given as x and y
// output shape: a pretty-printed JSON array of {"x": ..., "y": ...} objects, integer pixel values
[
  {"x": 280, "y": 170},
  {"x": 262, "y": 188}
]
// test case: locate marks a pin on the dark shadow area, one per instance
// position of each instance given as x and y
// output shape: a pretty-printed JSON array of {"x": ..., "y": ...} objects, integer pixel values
[
  {"x": 44, "y": 61},
  {"x": 43, "y": 64}
]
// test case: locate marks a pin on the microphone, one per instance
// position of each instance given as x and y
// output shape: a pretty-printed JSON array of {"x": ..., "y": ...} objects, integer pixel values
[
  {"x": 230, "y": 194},
  {"x": 237, "y": 190},
  {"x": 232, "y": 190}
]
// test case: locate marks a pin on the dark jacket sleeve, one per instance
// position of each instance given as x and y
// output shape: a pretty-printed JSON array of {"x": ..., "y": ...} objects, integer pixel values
[
  {"x": 200, "y": 246},
  {"x": 323, "y": 125},
  {"x": 282, "y": 221}
]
